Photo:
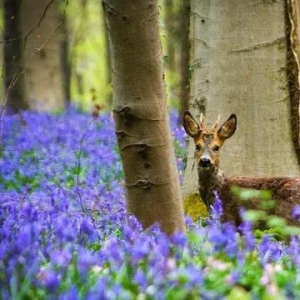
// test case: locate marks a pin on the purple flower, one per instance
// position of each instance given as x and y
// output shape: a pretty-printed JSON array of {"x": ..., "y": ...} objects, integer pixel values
[
  {"x": 217, "y": 207},
  {"x": 293, "y": 250},
  {"x": 62, "y": 258},
  {"x": 179, "y": 239},
  {"x": 246, "y": 228},
  {"x": 224, "y": 237},
  {"x": 49, "y": 279},
  {"x": 296, "y": 212},
  {"x": 140, "y": 279},
  {"x": 87, "y": 227},
  {"x": 270, "y": 250},
  {"x": 71, "y": 294},
  {"x": 140, "y": 249},
  {"x": 85, "y": 260}
]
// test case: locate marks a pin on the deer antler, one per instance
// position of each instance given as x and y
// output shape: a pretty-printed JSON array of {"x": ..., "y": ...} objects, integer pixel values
[
  {"x": 216, "y": 124},
  {"x": 201, "y": 123}
]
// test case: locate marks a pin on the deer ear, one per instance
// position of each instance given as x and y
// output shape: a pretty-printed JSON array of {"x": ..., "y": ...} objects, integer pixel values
[
  {"x": 190, "y": 125},
  {"x": 228, "y": 128}
]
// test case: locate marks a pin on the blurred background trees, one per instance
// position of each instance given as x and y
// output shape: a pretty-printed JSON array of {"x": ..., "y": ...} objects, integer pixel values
[{"x": 56, "y": 52}]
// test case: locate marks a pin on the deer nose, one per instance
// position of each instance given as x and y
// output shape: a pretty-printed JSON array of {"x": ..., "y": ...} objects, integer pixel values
[{"x": 205, "y": 162}]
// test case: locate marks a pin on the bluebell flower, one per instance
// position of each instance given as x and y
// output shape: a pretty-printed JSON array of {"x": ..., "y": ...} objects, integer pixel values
[
  {"x": 293, "y": 250},
  {"x": 270, "y": 250},
  {"x": 224, "y": 238},
  {"x": 85, "y": 260},
  {"x": 140, "y": 249},
  {"x": 71, "y": 294},
  {"x": 62, "y": 258},
  {"x": 49, "y": 279},
  {"x": 98, "y": 291},
  {"x": 246, "y": 228},
  {"x": 87, "y": 227},
  {"x": 141, "y": 280},
  {"x": 296, "y": 212},
  {"x": 217, "y": 207}
]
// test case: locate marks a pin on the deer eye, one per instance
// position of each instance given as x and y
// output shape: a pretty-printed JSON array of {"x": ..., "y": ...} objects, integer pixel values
[
  {"x": 216, "y": 148},
  {"x": 198, "y": 147}
]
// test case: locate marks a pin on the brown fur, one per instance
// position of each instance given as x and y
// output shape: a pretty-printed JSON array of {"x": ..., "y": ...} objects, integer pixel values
[{"x": 285, "y": 191}]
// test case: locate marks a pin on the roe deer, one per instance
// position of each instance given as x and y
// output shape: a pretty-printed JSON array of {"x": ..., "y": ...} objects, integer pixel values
[{"x": 285, "y": 190}]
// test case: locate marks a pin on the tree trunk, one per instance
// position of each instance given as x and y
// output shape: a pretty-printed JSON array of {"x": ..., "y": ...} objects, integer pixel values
[
  {"x": 66, "y": 64},
  {"x": 43, "y": 52},
  {"x": 171, "y": 28},
  {"x": 239, "y": 62},
  {"x": 108, "y": 94},
  {"x": 185, "y": 58},
  {"x": 142, "y": 124},
  {"x": 13, "y": 80}
]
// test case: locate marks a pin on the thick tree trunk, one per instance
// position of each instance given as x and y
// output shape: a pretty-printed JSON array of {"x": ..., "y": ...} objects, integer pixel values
[
  {"x": 239, "y": 62},
  {"x": 43, "y": 52},
  {"x": 142, "y": 123},
  {"x": 13, "y": 80}
]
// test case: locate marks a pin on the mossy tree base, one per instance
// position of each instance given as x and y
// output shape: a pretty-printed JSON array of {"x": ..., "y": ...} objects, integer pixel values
[{"x": 194, "y": 206}]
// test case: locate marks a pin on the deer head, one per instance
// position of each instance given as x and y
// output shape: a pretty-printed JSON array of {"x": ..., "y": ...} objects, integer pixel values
[{"x": 208, "y": 142}]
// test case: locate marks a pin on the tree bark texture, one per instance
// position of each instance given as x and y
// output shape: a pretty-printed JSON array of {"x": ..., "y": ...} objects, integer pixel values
[
  {"x": 240, "y": 65},
  {"x": 13, "y": 81},
  {"x": 43, "y": 52},
  {"x": 142, "y": 124}
]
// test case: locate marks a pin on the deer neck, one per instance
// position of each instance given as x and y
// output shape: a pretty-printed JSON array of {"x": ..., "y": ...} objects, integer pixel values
[{"x": 210, "y": 180}]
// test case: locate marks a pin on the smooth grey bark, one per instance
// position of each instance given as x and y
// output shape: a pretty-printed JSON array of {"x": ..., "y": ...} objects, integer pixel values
[
  {"x": 152, "y": 186},
  {"x": 239, "y": 61}
]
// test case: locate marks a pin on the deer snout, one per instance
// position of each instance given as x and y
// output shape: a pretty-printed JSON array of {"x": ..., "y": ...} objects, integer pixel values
[{"x": 205, "y": 162}]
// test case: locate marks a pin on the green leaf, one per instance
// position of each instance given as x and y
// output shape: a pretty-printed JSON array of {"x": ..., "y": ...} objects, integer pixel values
[
  {"x": 255, "y": 215},
  {"x": 274, "y": 221},
  {"x": 238, "y": 293}
]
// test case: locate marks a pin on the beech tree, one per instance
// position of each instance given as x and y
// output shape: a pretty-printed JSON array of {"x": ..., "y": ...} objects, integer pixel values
[
  {"x": 152, "y": 186},
  {"x": 245, "y": 60}
]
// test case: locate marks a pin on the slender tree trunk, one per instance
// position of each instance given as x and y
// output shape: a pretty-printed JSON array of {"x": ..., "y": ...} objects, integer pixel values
[
  {"x": 43, "y": 52},
  {"x": 239, "y": 63},
  {"x": 142, "y": 125},
  {"x": 108, "y": 94},
  {"x": 185, "y": 58},
  {"x": 170, "y": 23},
  {"x": 14, "y": 83},
  {"x": 65, "y": 60}
]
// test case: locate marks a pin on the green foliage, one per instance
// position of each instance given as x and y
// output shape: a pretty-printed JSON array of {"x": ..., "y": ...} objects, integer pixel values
[{"x": 246, "y": 194}]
